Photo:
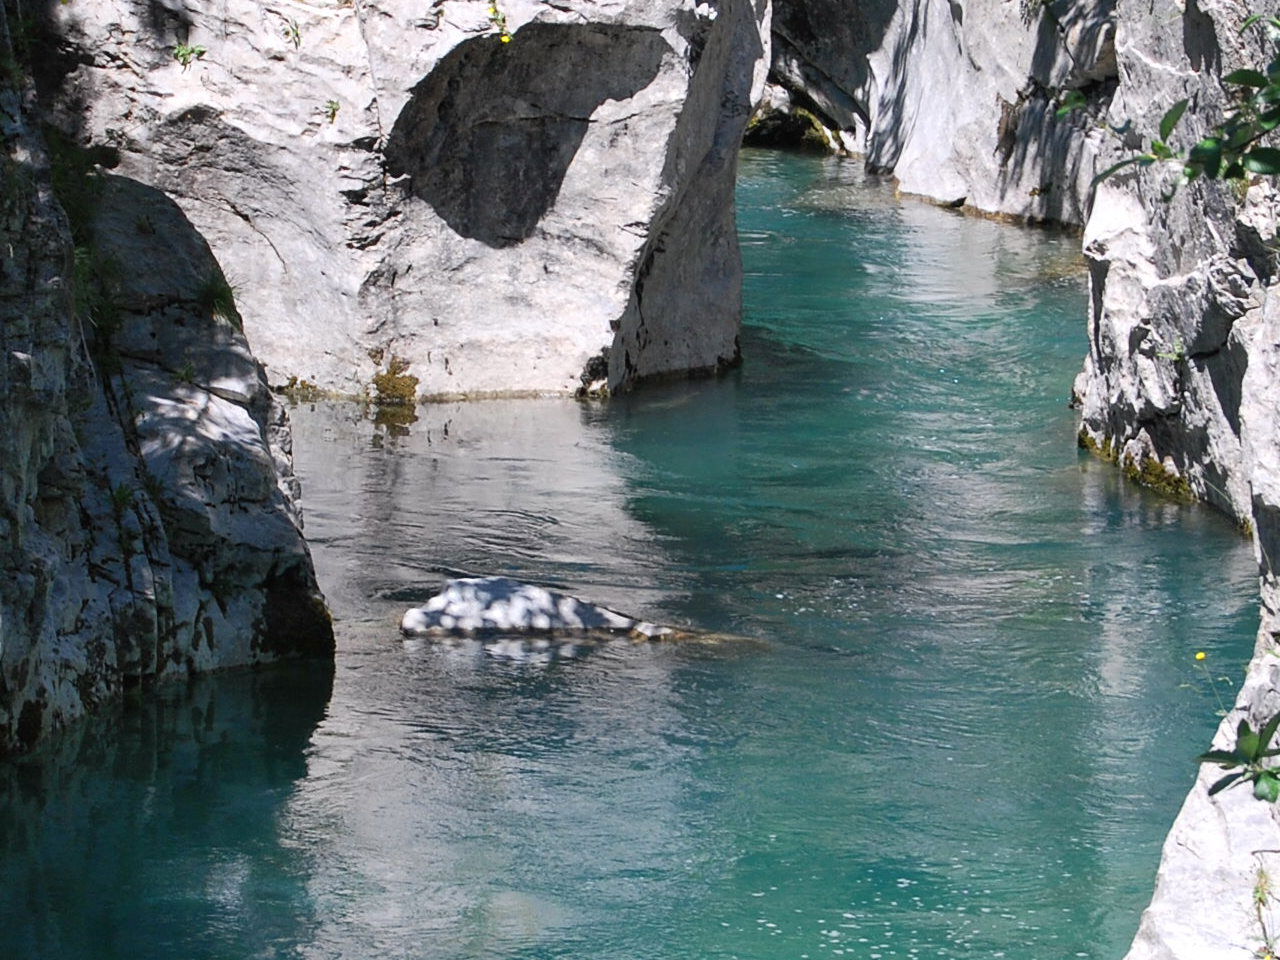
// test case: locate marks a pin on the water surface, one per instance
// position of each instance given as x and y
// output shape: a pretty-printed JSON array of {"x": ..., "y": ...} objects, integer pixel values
[{"x": 959, "y": 724}]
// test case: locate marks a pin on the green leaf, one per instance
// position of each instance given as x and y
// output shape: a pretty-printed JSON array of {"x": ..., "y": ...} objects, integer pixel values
[
  {"x": 1265, "y": 160},
  {"x": 1251, "y": 21},
  {"x": 1225, "y": 782},
  {"x": 1115, "y": 167},
  {"x": 1228, "y": 758},
  {"x": 1160, "y": 150},
  {"x": 1171, "y": 118},
  {"x": 1246, "y": 78},
  {"x": 1238, "y": 134},
  {"x": 1206, "y": 156},
  {"x": 1268, "y": 731},
  {"x": 1267, "y": 787},
  {"x": 1246, "y": 740}
]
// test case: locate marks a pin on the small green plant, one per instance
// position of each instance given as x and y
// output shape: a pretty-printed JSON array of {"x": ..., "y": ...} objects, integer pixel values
[
  {"x": 499, "y": 21},
  {"x": 121, "y": 498},
  {"x": 186, "y": 54},
  {"x": 1177, "y": 354},
  {"x": 1262, "y": 896},
  {"x": 1213, "y": 685},
  {"x": 97, "y": 296},
  {"x": 217, "y": 297},
  {"x": 292, "y": 33},
  {"x": 331, "y": 108},
  {"x": 1233, "y": 148},
  {"x": 1250, "y": 754},
  {"x": 187, "y": 373}
]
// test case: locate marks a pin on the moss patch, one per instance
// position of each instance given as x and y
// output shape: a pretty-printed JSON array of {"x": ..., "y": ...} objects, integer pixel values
[
  {"x": 1153, "y": 474},
  {"x": 304, "y": 391},
  {"x": 1103, "y": 450},
  {"x": 798, "y": 129},
  {"x": 395, "y": 386}
]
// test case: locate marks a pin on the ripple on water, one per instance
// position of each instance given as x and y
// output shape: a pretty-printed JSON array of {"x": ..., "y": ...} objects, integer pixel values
[{"x": 956, "y": 733}]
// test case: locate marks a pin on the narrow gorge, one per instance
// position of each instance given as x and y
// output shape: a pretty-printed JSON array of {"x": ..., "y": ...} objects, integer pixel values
[{"x": 213, "y": 205}]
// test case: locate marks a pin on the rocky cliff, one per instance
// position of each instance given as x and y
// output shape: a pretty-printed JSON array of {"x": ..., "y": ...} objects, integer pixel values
[
  {"x": 1181, "y": 388},
  {"x": 958, "y": 100},
  {"x": 439, "y": 199},
  {"x": 147, "y": 525}
]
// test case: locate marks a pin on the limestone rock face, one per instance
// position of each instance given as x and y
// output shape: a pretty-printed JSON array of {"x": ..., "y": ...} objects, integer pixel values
[
  {"x": 147, "y": 526},
  {"x": 1181, "y": 276},
  {"x": 1180, "y": 386},
  {"x": 425, "y": 200},
  {"x": 958, "y": 100}
]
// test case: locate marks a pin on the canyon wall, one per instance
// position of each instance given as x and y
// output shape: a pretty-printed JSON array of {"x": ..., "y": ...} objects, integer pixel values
[
  {"x": 958, "y": 100},
  {"x": 1182, "y": 387},
  {"x": 428, "y": 200},
  {"x": 147, "y": 521},
  {"x": 420, "y": 200}
]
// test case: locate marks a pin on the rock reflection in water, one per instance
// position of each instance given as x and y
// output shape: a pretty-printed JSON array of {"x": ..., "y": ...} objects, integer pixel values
[{"x": 156, "y": 824}]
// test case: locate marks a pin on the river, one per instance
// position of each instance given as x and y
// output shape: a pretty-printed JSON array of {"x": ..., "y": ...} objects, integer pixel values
[{"x": 956, "y": 721}]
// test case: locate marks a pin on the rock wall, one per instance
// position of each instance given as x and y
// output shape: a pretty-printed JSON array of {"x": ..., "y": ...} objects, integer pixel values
[
  {"x": 431, "y": 199},
  {"x": 1180, "y": 387},
  {"x": 958, "y": 100},
  {"x": 147, "y": 525}
]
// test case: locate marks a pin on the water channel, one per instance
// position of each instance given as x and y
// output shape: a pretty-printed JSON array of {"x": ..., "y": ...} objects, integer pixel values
[{"x": 957, "y": 723}]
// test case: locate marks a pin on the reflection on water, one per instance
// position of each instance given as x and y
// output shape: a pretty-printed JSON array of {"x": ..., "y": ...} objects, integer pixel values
[
  {"x": 961, "y": 731},
  {"x": 152, "y": 831}
]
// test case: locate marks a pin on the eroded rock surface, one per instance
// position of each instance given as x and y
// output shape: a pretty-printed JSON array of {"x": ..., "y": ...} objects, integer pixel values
[
  {"x": 147, "y": 524},
  {"x": 412, "y": 207},
  {"x": 1180, "y": 387},
  {"x": 958, "y": 100}
]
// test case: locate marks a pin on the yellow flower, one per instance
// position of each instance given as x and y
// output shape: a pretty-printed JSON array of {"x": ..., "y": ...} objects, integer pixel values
[
  {"x": 506, "y": 38},
  {"x": 1200, "y": 655}
]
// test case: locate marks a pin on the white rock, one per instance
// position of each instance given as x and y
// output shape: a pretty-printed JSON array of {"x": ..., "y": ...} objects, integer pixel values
[
  {"x": 569, "y": 199},
  {"x": 501, "y": 605}
]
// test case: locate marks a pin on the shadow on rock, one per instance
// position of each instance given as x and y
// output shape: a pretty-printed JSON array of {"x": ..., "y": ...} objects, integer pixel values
[{"x": 488, "y": 135}]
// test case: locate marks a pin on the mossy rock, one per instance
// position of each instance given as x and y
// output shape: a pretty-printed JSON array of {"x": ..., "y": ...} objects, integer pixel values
[
  {"x": 395, "y": 386},
  {"x": 1152, "y": 474},
  {"x": 797, "y": 129}
]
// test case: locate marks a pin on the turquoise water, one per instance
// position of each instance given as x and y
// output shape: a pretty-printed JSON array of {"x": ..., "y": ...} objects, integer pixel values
[{"x": 957, "y": 723}]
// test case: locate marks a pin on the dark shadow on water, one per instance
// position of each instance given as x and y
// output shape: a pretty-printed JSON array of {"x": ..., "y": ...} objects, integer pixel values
[{"x": 152, "y": 830}]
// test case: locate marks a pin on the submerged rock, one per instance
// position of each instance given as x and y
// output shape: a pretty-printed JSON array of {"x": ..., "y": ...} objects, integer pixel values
[{"x": 501, "y": 605}]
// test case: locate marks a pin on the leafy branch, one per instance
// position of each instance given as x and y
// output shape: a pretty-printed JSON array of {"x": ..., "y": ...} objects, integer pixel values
[
  {"x": 1251, "y": 750},
  {"x": 1234, "y": 147}
]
